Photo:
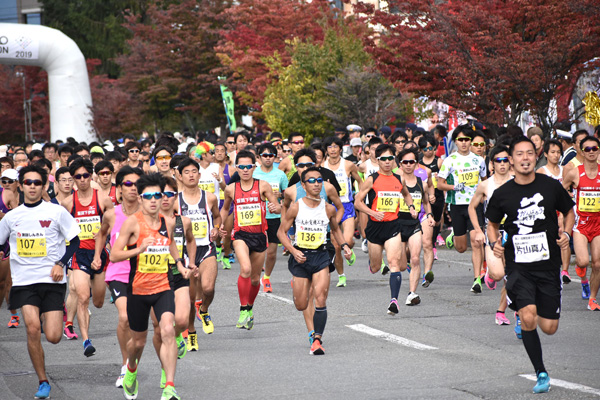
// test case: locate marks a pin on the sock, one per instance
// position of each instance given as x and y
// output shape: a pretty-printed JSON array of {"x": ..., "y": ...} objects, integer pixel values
[
  {"x": 395, "y": 283},
  {"x": 69, "y": 323},
  {"x": 253, "y": 293},
  {"x": 498, "y": 311},
  {"x": 198, "y": 303},
  {"x": 244, "y": 289},
  {"x": 45, "y": 380},
  {"x": 342, "y": 275},
  {"x": 319, "y": 320},
  {"x": 265, "y": 276},
  {"x": 584, "y": 281},
  {"x": 249, "y": 307},
  {"x": 531, "y": 341},
  {"x": 13, "y": 314},
  {"x": 167, "y": 384},
  {"x": 131, "y": 370}
]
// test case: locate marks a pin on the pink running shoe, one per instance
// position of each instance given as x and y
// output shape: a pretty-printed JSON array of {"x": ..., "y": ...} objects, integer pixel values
[
  {"x": 440, "y": 240},
  {"x": 489, "y": 282},
  {"x": 501, "y": 319},
  {"x": 69, "y": 333},
  {"x": 565, "y": 277}
]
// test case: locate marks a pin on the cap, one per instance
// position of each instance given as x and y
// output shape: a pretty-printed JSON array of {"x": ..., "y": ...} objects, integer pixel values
[
  {"x": 355, "y": 142},
  {"x": 564, "y": 134},
  {"x": 204, "y": 147},
  {"x": 353, "y": 128},
  {"x": 3, "y": 150},
  {"x": 386, "y": 130},
  {"x": 36, "y": 146},
  {"x": 97, "y": 149},
  {"x": 177, "y": 135},
  {"x": 10, "y": 174}
]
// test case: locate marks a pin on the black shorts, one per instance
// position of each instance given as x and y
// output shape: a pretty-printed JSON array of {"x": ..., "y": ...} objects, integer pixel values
[
  {"x": 138, "y": 308},
  {"x": 45, "y": 296},
  {"x": 461, "y": 223},
  {"x": 272, "y": 228},
  {"x": 409, "y": 228},
  {"x": 542, "y": 288},
  {"x": 204, "y": 252},
  {"x": 177, "y": 281},
  {"x": 315, "y": 261},
  {"x": 82, "y": 260},
  {"x": 256, "y": 242},
  {"x": 117, "y": 289},
  {"x": 379, "y": 232},
  {"x": 437, "y": 208}
]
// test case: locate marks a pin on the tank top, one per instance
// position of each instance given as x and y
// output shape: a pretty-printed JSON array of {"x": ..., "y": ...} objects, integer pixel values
[
  {"x": 560, "y": 172},
  {"x": 227, "y": 179},
  {"x": 113, "y": 194},
  {"x": 150, "y": 269},
  {"x": 200, "y": 216},
  {"x": 343, "y": 180},
  {"x": 370, "y": 168},
  {"x": 118, "y": 271},
  {"x": 300, "y": 192},
  {"x": 88, "y": 218},
  {"x": 433, "y": 166},
  {"x": 178, "y": 237},
  {"x": 588, "y": 194},
  {"x": 385, "y": 195},
  {"x": 207, "y": 181},
  {"x": 418, "y": 194},
  {"x": 249, "y": 212},
  {"x": 311, "y": 226}
]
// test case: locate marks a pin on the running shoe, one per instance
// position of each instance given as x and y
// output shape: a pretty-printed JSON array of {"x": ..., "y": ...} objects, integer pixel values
[
  {"x": 565, "y": 277},
  {"x": 585, "y": 291},
  {"x": 119, "y": 382},
  {"x": 14, "y": 321},
  {"x": 43, "y": 391},
  {"x": 352, "y": 259},
  {"x": 250, "y": 322},
  {"x": 593, "y": 305},
  {"x": 435, "y": 254},
  {"x": 518, "y": 326},
  {"x": 219, "y": 254},
  {"x": 69, "y": 333},
  {"x": 489, "y": 282},
  {"x": 311, "y": 337},
  {"x": 169, "y": 393},
  {"x": 88, "y": 348},
  {"x": 181, "y": 346},
  {"x": 226, "y": 263},
  {"x": 130, "y": 385},
  {"x": 267, "y": 285},
  {"x": 543, "y": 383},
  {"x": 384, "y": 268},
  {"x": 365, "y": 246},
  {"x": 231, "y": 258},
  {"x": 163, "y": 379},
  {"x": 501, "y": 319},
  {"x": 285, "y": 252},
  {"x": 450, "y": 240},
  {"x": 198, "y": 304},
  {"x": 356, "y": 234},
  {"x": 207, "y": 325},
  {"x": 393, "y": 307},
  {"x": 242, "y": 319},
  {"x": 341, "y": 281},
  {"x": 476, "y": 288},
  {"x": 412, "y": 299},
  {"x": 316, "y": 349},
  {"x": 427, "y": 279},
  {"x": 440, "y": 241},
  {"x": 483, "y": 269},
  {"x": 192, "y": 342},
  {"x": 408, "y": 267}
]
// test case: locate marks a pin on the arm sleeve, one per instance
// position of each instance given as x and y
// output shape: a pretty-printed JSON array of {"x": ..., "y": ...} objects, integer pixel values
[
  {"x": 234, "y": 178},
  {"x": 294, "y": 179},
  {"x": 71, "y": 248}
]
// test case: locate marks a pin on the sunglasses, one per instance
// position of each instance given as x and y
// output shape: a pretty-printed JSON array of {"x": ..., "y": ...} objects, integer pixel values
[
  {"x": 8, "y": 181},
  {"x": 370, "y": 136},
  {"x": 104, "y": 173},
  {"x": 463, "y": 139},
  {"x": 478, "y": 144},
  {"x": 429, "y": 148},
  {"x": 386, "y": 158},
  {"x": 211, "y": 152},
  {"x": 314, "y": 180},
  {"x": 245, "y": 166},
  {"x": 134, "y": 151},
  {"x": 400, "y": 141},
  {"x": 65, "y": 180},
  {"x": 305, "y": 165},
  {"x": 287, "y": 151},
  {"x": 590, "y": 148},
  {"x": 128, "y": 183},
  {"x": 267, "y": 155},
  {"x": 81, "y": 176},
  {"x": 163, "y": 158},
  {"x": 170, "y": 194},
  {"x": 230, "y": 142},
  {"x": 151, "y": 195},
  {"x": 408, "y": 162},
  {"x": 332, "y": 146},
  {"x": 34, "y": 182},
  {"x": 298, "y": 142},
  {"x": 501, "y": 160}
]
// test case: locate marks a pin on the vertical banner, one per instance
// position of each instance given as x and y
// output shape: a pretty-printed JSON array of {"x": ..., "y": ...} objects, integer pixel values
[{"x": 228, "y": 104}]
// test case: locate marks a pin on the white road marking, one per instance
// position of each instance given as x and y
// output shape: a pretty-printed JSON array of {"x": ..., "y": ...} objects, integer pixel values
[
  {"x": 565, "y": 384},
  {"x": 390, "y": 338},
  {"x": 456, "y": 262},
  {"x": 276, "y": 298}
]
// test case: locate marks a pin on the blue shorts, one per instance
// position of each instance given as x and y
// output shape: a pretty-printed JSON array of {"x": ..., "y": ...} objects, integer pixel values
[{"x": 348, "y": 211}]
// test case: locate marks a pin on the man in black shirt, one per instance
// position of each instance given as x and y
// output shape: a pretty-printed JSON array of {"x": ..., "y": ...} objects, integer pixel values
[{"x": 531, "y": 249}]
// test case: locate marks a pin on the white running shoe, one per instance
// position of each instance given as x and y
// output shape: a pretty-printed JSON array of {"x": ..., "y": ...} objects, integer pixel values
[
  {"x": 364, "y": 246},
  {"x": 119, "y": 382},
  {"x": 412, "y": 299}
]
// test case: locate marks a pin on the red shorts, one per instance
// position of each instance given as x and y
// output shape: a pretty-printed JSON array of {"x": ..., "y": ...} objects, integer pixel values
[{"x": 588, "y": 227}]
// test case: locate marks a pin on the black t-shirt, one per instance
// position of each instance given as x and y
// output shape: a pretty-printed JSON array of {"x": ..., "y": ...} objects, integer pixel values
[
  {"x": 531, "y": 221},
  {"x": 327, "y": 175},
  {"x": 352, "y": 158}
]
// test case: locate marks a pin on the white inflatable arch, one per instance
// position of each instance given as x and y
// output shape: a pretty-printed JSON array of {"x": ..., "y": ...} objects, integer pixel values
[{"x": 68, "y": 83}]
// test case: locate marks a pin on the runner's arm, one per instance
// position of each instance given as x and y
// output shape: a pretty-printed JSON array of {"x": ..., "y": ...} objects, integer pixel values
[
  {"x": 190, "y": 240},
  {"x": 477, "y": 199},
  {"x": 336, "y": 232},
  {"x": 107, "y": 223},
  {"x": 127, "y": 236},
  {"x": 359, "y": 199},
  {"x": 334, "y": 197},
  {"x": 286, "y": 223}
]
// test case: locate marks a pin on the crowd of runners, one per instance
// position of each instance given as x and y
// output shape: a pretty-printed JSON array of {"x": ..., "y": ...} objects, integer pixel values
[{"x": 153, "y": 220}]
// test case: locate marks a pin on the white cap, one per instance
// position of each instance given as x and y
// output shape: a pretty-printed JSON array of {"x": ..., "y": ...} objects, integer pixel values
[
  {"x": 36, "y": 146},
  {"x": 353, "y": 128},
  {"x": 564, "y": 134},
  {"x": 3, "y": 150},
  {"x": 355, "y": 142},
  {"x": 177, "y": 135},
  {"x": 10, "y": 174}
]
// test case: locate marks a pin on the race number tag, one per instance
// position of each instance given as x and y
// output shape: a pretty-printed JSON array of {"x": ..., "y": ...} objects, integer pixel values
[
  {"x": 531, "y": 248},
  {"x": 469, "y": 176},
  {"x": 275, "y": 187},
  {"x": 221, "y": 195},
  {"x": 310, "y": 237},
  {"x": 388, "y": 201},
  {"x": 207, "y": 186},
  {"x": 88, "y": 226},
  {"x": 248, "y": 214},
  {"x": 589, "y": 201},
  {"x": 154, "y": 260},
  {"x": 179, "y": 242},
  {"x": 199, "y": 226},
  {"x": 417, "y": 198},
  {"x": 434, "y": 179},
  {"x": 344, "y": 187},
  {"x": 31, "y": 244}
]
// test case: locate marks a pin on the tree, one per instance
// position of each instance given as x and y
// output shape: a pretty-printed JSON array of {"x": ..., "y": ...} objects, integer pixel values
[{"x": 491, "y": 59}]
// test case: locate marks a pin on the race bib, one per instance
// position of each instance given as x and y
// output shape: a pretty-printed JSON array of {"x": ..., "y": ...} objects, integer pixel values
[
  {"x": 344, "y": 187},
  {"x": 248, "y": 215},
  {"x": 88, "y": 227},
  {"x": 31, "y": 244},
  {"x": 417, "y": 198},
  {"x": 434, "y": 179},
  {"x": 388, "y": 201},
  {"x": 531, "y": 248},
  {"x": 309, "y": 237},
  {"x": 275, "y": 187},
  {"x": 221, "y": 195},
  {"x": 154, "y": 260},
  {"x": 589, "y": 201},
  {"x": 469, "y": 176},
  {"x": 199, "y": 226},
  {"x": 207, "y": 186},
  {"x": 179, "y": 242}
]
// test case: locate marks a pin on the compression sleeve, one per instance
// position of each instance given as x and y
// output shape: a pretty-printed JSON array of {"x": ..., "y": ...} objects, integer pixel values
[{"x": 71, "y": 248}]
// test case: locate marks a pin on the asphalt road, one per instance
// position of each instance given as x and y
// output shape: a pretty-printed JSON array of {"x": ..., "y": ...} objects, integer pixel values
[{"x": 448, "y": 347}]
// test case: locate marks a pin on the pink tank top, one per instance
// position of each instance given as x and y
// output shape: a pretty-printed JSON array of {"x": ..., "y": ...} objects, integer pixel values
[{"x": 118, "y": 271}]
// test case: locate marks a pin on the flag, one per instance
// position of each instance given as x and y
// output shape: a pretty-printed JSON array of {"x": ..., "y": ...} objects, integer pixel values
[{"x": 228, "y": 104}]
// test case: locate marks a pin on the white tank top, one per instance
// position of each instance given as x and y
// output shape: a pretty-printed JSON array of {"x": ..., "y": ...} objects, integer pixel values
[
  {"x": 200, "y": 216},
  {"x": 343, "y": 179},
  {"x": 560, "y": 173},
  {"x": 311, "y": 226},
  {"x": 207, "y": 181},
  {"x": 371, "y": 168}
]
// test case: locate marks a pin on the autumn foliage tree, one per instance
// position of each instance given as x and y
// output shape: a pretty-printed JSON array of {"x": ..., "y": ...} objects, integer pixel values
[{"x": 492, "y": 59}]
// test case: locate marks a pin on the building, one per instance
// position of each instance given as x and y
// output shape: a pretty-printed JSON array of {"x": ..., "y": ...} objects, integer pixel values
[{"x": 21, "y": 11}]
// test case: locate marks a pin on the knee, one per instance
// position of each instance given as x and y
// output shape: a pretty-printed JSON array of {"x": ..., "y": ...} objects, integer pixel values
[
  {"x": 209, "y": 289},
  {"x": 34, "y": 331},
  {"x": 550, "y": 330},
  {"x": 496, "y": 274},
  {"x": 123, "y": 321},
  {"x": 596, "y": 266},
  {"x": 460, "y": 248},
  {"x": 321, "y": 301},
  {"x": 98, "y": 303},
  {"x": 140, "y": 342},
  {"x": 53, "y": 338},
  {"x": 167, "y": 332}
]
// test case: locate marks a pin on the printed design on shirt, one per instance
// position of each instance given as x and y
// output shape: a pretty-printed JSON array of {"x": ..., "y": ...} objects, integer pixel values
[
  {"x": 45, "y": 223},
  {"x": 529, "y": 212}
]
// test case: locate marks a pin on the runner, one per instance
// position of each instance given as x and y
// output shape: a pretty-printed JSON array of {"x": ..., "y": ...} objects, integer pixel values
[
  {"x": 222, "y": 159},
  {"x": 279, "y": 183},
  {"x": 384, "y": 190},
  {"x": 531, "y": 252},
  {"x": 249, "y": 230},
  {"x": 162, "y": 157},
  {"x": 104, "y": 171},
  {"x": 310, "y": 259},
  {"x": 87, "y": 208},
  {"x": 37, "y": 231},
  {"x": 8, "y": 201},
  {"x": 133, "y": 150},
  {"x": 146, "y": 240},
  {"x": 367, "y": 168},
  {"x": 295, "y": 143},
  {"x": 584, "y": 180}
]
